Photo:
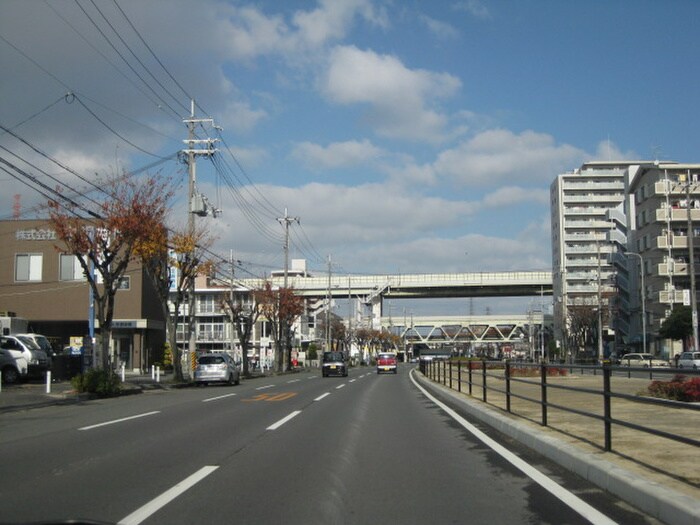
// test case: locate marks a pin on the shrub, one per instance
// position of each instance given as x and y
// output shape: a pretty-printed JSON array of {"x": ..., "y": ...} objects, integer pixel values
[
  {"x": 103, "y": 383},
  {"x": 680, "y": 388}
]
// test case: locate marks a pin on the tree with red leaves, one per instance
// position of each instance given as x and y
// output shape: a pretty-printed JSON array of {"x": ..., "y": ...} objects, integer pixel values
[{"x": 130, "y": 217}]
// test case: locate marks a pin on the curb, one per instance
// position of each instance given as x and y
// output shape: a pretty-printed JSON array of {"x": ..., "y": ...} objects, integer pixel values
[{"x": 649, "y": 496}]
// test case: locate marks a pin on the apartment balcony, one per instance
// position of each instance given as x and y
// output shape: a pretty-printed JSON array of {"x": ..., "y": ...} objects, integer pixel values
[
  {"x": 592, "y": 211},
  {"x": 580, "y": 237},
  {"x": 676, "y": 241},
  {"x": 673, "y": 268},
  {"x": 605, "y": 199},
  {"x": 677, "y": 214},
  {"x": 664, "y": 187},
  {"x": 594, "y": 185},
  {"x": 671, "y": 296},
  {"x": 212, "y": 336},
  {"x": 588, "y": 224}
]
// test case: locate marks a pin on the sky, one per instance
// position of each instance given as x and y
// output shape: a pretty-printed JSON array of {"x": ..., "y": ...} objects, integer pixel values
[{"x": 406, "y": 136}]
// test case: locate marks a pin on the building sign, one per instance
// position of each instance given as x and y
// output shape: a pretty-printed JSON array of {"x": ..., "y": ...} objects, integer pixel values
[{"x": 37, "y": 234}]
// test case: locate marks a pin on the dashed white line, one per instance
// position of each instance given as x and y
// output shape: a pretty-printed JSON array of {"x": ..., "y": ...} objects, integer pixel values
[
  {"x": 322, "y": 396},
  {"x": 282, "y": 421},
  {"x": 353, "y": 380},
  {"x": 217, "y": 397},
  {"x": 166, "y": 497},
  {"x": 340, "y": 386},
  {"x": 119, "y": 420},
  {"x": 264, "y": 387},
  {"x": 294, "y": 381}
]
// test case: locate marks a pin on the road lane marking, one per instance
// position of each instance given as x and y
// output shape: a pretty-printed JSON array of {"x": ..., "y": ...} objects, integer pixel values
[
  {"x": 264, "y": 387},
  {"x": 166, "y": 497},
  {"x": 119, "y": 420},
  {"x": 574, "y": 502},
  {"x": 282, "y": 421},
  {"x": 217, "y": 397},
  {"x": 271, "y": 397},
  {"x": 353, "y": 380},
  {"x": 294, "y": 381},
  {"x": 322, "y": 396},
  {"x": 340, "y": 386}
]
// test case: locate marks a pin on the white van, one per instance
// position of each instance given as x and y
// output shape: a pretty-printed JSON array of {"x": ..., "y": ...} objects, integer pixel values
[
  {"x": 21, "y": 346},
  {"x": 12, "y": 368}
]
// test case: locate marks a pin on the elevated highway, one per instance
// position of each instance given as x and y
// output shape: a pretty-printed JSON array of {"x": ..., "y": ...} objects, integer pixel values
[
  {"x": 417, "y": 286},
  {"x": 373, "y": 289}
]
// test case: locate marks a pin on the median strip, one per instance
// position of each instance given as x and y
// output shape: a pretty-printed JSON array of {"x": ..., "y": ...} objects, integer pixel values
[{"x": 119, "y": 420}]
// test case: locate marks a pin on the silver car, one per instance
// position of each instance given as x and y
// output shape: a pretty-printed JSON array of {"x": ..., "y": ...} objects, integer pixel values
[
  {"x": 689, "y": 360},
  {"x": 216, "y": 368}
]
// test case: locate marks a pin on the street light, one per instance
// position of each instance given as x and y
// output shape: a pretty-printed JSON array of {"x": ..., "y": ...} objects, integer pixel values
[{"x": 643, "y": 294}]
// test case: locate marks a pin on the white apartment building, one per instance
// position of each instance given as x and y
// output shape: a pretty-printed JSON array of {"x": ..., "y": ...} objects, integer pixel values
[
  {"x": 584, "y": 206},
  {"x": 663, "y": 210}
]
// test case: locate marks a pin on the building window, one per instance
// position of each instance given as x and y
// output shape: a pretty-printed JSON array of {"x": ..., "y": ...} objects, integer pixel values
[
  {"x": 207, "y": 304},
  {"x": 28, "y": 266},
  {"x": 70, "y": 269}
]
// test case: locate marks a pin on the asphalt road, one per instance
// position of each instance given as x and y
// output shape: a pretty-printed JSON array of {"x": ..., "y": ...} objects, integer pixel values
[{"x": 293, "y": 449}]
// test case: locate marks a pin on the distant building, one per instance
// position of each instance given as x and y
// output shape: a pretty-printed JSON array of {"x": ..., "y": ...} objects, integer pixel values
[
  {"x": 609, "y": 221},
  {"x": 581, "y": 204}
]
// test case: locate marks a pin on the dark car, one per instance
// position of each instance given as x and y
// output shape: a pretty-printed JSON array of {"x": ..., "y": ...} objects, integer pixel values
[{"x": 334, "y": 364}]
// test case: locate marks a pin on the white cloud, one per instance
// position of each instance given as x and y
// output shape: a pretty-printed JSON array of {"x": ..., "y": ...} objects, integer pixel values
[
  {"x": 336, "y": 155},
  {"x": 608, "y": 150},
  {"x": 475, "y": 8},
  {"x": 442, "y": 30},
  {"x": 513, "y": 195},
  {"x": 332, "y": 19},
  {"x": 240, "y": 117},
  {"x": 400, "y": 98},
  {"x": 497, "y": 156}
]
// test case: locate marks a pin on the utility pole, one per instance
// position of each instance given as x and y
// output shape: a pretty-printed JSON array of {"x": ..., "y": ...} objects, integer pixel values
[
  {"x": 328, "y": 308},
  {"x": 197, "y": 205},
  {"x": 285, "y": 222},
  {"x": 691, "y": 264},
  {"x": 600, "y": 308}
]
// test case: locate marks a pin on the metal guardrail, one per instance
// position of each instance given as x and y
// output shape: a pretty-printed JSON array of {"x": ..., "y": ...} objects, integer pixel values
[{"x": 457, "y": 374}]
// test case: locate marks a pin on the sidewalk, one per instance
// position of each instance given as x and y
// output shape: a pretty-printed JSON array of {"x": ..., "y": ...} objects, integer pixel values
[{"x": 32, "y": 393}]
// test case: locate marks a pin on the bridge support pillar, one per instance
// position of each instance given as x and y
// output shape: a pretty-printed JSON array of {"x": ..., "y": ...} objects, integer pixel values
[{"x": 377, "y": 312}]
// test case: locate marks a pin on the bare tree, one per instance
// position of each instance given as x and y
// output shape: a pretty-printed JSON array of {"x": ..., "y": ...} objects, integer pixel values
[{"x": 243, "y": 312}]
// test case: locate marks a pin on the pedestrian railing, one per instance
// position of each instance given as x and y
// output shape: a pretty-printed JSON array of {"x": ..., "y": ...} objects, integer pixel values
[{"x": 482, "y": 378}]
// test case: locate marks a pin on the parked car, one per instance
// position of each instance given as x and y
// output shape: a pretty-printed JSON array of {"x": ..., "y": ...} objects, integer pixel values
[
  {"x": 642, "y": 361},
  {"x": 22, "y": 346},
  {"x": 386, "y": 362},
  {"x": 216, "y": 368},
  {"x": 334, "y": 364},
  {"x": 12, "y": 368},
  {"x": 689, "y": 360}
]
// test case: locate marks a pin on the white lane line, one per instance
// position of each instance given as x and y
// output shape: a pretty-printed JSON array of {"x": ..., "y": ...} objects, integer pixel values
[
  {"x": 573, "y": 501},
  {"x": 353, "y": 380},
  {"x": 119, "y": 420},
  {"x": 264, "y": 387},
  {"x": 322, "y": 396},
  {"x": 340, "y": 386},
  {"x": 166, "y": 497},
  {"x": 217, "y": 397},
  {"x": 284, "y": 420},
  {"x": 294, "y": 381}
]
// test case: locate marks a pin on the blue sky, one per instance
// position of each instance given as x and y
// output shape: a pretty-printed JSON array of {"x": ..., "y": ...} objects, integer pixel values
[{"x": 407, "y": 136}]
